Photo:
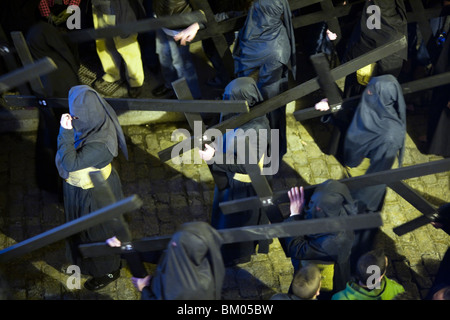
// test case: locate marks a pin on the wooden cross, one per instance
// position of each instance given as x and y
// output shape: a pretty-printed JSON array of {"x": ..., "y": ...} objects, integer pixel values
[
  {"x": 26, "y": 74},
  {"x": 252, "y": 233}
]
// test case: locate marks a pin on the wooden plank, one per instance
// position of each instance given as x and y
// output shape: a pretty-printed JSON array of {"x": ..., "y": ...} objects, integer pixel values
[
  {"x": 253, "y": 233},
  {"x": 326, "y": 81},
  {"x": 213, "y": 30},
  {"x": 183, "y": 92},
  {"x": 27, "y": 73},
  {"x": 70, "y": 228},
  {"x": 169, "y": 105},
  {"x": 105, "y": 197},
  {"x": 140, "y": 26},
  {"x": 25, "y": 57},
  {"x": 407, "y": 88},
  {"x": 366, "y": 180}
]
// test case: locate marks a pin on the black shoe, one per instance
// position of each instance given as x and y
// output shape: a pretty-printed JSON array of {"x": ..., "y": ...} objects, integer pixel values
[
  {"x": 162, "y": 90},
  {"x": 134, "y": 92},
  {"x": 98, "y": 283}
]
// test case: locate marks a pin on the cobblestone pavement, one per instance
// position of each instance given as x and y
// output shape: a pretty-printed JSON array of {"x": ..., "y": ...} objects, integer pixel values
[{"x": 175, "y": 194}]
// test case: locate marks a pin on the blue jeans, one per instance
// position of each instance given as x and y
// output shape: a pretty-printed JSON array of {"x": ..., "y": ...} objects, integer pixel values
[{"x": 176, "y": 62}]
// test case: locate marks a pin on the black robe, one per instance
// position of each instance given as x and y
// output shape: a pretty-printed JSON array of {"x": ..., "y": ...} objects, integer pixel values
[
  {"x": 377, "y": 132},
  {"x": 228, "y": 188},
  {"x": 266, "y": 45},
  {"x": 191, "y": 268},
  {"x": 330, "y": 199},
  {"x": 393, "y": 24},
  {"x": 438, "y": 129},
  {"x": 93, "y": 142}
]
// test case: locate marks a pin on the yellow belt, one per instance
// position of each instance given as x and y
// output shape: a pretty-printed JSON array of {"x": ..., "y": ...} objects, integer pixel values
[
  {"x": 245, "y": 177},
  {"x": 81, "y": 178}
]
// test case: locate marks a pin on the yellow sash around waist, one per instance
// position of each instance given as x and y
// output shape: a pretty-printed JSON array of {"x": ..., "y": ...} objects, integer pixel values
[
  {"x": 81, "y": 178},
  {"x": 245, "y": 177}
]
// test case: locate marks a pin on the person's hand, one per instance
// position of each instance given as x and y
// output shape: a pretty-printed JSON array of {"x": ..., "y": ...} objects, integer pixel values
[
  {"x": 331, "y": 35},
  {"x": 141, "y": 283},
  {"x": 66, "y": 121},
  {"x": 188, "y": 34},
  {"x": 448, "y": 104},
  {"x": 322, "y": 105},
  {"x": 208, "y": 153},
  {"x": 113, "y": 242},
  {"x": 297, "y": 198}
]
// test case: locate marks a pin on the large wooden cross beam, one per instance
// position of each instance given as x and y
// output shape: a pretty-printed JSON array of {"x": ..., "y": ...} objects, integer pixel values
[
  {"x": 70, "y": 228},
  {"x": 389, "y": 177},
  {"x": 407, "y": 88},
  {"x": 259, "y": 181},
  {"x": 212, "y": 30},
  {"x": 26, "y": 58},
  {"x": 251, "y": 233},
  {"x": 128, "y": 104},
  {"x": 27, "y": 73},
  {"x": 169, "y": 105},
  {"x": 171, "y": 22},
  {"x": 290, "y": 95}
]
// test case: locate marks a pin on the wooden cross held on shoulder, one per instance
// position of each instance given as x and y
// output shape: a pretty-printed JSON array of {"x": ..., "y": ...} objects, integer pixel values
[
  {"x": 259, "y": 182},
  {"x": 42, "y": 100},
  {"x": 251, "y": 233},
  {"x": 26, "y": 74},
  {"x": 392, "y": 178}
]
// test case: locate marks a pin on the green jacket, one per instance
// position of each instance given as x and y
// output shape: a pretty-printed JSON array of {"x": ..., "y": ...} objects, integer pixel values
[{"x": 387, "y": 291}]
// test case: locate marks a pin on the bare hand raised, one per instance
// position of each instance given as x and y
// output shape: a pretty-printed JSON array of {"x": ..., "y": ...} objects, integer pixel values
[{"x": 297, "y": 199}]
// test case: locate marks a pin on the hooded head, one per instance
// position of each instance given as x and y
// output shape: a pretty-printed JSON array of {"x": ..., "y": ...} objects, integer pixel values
[
  {"x": 243, "y": 88},
  {"x": 192, "y": 267},
  {"x": 95, "y": 120},
  {"x": 331, "y": 199},
  {"x": 379, "y": 122}
]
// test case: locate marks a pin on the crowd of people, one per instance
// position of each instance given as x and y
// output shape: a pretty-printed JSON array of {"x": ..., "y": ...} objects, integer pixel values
[{"x": 326, "y": 265}]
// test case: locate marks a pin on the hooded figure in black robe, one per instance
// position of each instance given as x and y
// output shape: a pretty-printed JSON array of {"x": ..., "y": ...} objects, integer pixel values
[
  {"x": 330, "y": 199},
  {"x": 393, "y": 24},
  {"x": 377, "y": 132},
  {"x": 438, "y": 127},
  {"x": 231, "y": 180},
  {"x": 92, "y": 144},
  {"x": 266, "y": 45},
  {"x": 191, "y": 268}
]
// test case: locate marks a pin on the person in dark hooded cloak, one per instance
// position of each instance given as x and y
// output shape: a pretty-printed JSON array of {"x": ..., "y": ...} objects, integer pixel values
[
  {"x": 438, "y": 125},
  {"x": 330, "y": 199},
  {"x": 367, "y": 35},
  {"x": 191, "y": 267},
  {"x": 89, "y": 139},
  {"x": 266, "y": 45},
  {"x": 377, "y": 132},
  {"x": 373, "y": 142},
  {"x": 232, "y": 181}
]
